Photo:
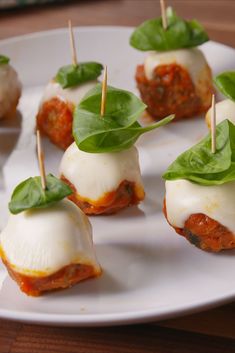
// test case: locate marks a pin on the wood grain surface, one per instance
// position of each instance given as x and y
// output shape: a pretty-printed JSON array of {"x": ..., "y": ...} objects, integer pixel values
[
  {"x": 216, "y": 15},
  {"x": 19, "y": 338},
  {"x": 211, "y": 331}
]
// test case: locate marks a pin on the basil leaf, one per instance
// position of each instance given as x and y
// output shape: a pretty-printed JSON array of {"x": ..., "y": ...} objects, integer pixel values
[
  {"x": 151, "y": 35},
  {"x": 226, "y": 84},
  {"x": 29, "y": 194},
  {"x": 117, "y": 129},
  {"x": 201, "y": 166},
  {"x": 74, "y": 75},
  {"x": 4, "y": 60},
  {"x": 118, "y": 139}
]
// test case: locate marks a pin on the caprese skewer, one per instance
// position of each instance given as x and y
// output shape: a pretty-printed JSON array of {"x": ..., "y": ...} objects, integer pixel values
[
  {"x": 62, "y": 94},
  {"x": 175, "y": 77},
  {"x": 102, "y": 165},
  {"x": 10, "y": 88},
  {"x": 47, "y": 242}
]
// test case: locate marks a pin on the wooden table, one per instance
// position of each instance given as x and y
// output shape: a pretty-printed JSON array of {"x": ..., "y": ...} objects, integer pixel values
[{"x": 210, "y": 332}]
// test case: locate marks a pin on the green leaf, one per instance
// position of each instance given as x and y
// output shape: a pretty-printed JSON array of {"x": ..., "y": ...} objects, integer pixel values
[
  {"x": 29, "y": 194},
  {"x": 201, "y": 166},
  {"x": 118, "y": 129},
  {"x": 226, "y": 84},
  {"x": 150, "y": 35},
  {"x": 74, "y": 75},
  {"x": 4, "y": 60}
]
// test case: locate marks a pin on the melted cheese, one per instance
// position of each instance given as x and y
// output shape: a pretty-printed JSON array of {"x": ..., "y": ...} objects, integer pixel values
[
  {"x": 192, "y": 60},
  {"x": 184, "y": 198},
  {"x": 41, "y": 242},
  {"x": 71, "y": 95},
  {"x": 94, "y": 174},
  {"x": 10, "y": 89},
  {"x": 224, "y": 110}
]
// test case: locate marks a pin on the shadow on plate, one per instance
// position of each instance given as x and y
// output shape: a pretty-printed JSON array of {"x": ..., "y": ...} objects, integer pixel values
[
  {"x": 130, "y": 212},
  {"x": 126, "y": 268},
  {"x": 154, "y": 188},
  {"x": 9, "y": 134},
  {"x": 225, "y": 253}
]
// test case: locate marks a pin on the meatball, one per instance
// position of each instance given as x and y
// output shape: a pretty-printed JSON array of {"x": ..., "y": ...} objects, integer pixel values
[
  {"x": 54, "y": 120},
  {"x": 205, "y": 233},
  {"x": 48, "y": 249},
  {"x": 64, "y": 278},
  {"x": 127, "y": 194},
  {"x": 103, "y": 183},
  {"x": 55, "y": 115},
  {"x": 176, "y": 82}
]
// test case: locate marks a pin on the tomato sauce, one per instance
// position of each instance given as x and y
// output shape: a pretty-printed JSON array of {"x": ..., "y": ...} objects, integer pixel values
[
  {"x": 54, "y": 120},
  {"x": 170, "y": 91},
  {"x": 64, "y": 278},
  {"x": 127, "y": 194},
  {"x": 205, "y": 233}
]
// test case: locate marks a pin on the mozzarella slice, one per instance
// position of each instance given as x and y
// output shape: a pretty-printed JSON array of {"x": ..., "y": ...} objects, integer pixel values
[
  {"x": 94, "y": 174},
  {"x": 10, "y": 89},
  {"x": 40, "y": 242},
  {"x": 184, "y": 198},
  {"x": 71, "y": 95},
  {"x": 192, "y": 60},
  {"x": 224, "y": 110}
]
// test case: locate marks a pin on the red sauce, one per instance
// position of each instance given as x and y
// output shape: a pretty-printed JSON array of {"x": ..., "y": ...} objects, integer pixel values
[
  {"x": 64, "y": 278},
  {"x": 171, "y": 91},
  {"x": 205, "y": 232},
  {"x": 127, "y": 194},
  {"x": 54, "y": 120}
]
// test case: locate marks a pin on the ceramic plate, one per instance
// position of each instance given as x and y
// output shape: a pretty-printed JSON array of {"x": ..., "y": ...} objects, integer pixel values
[{"x": 150, "y": 272}]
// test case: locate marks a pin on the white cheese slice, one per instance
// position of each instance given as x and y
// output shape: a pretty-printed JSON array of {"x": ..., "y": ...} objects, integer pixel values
[
  {"x": 42, "y": 241},
  {"x": 72, "y": 95},
  {"x": 184, "y": 198},
  {"x": 94, "y": 174},
  {"x": 193, "y": 60},
  {"x": 224, "y": 110}
]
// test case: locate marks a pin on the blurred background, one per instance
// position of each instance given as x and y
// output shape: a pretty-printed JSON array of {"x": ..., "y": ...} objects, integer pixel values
[{"x": 24, "y": 16}]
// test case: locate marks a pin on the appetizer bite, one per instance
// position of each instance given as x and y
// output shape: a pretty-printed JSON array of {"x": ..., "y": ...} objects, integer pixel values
[
  {"x": 47, "y": 242},
  {"x": 225, "y": 109},
  {"x": 102, "y": 165},
  {"x": 10, "y": 88},
  {"x": 62, "y": 94},
  {"x": 175, "y": 77},
  {"x": 200, "y": 188}
]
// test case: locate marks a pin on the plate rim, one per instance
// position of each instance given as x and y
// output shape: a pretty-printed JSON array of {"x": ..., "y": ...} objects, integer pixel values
[
  {"x": 102, "y": 320},
  {"x": 38, "y": 34}
]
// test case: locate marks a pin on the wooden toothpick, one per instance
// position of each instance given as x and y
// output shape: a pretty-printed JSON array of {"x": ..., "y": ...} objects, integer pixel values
[
  {"x": 163, "y": 11},
  {"x": 41, "y": 161},
  {"x": 104, "y": 92},
  {"x": 213, "y": 125},
  {"x": 72, "y": 44}
]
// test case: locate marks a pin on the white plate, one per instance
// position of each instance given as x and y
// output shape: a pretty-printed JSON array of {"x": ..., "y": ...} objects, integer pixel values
[{"x": 150, "y": 272}]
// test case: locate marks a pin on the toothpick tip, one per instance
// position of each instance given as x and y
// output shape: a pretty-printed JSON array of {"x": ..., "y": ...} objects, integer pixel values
[
  {"x": 72, "y": 44},
  {"x": 213, "y": 124},
  {"x": 164, "y": 17},
  {"x": 41, "y": 160},
  {"x": 104, "y": 91}
]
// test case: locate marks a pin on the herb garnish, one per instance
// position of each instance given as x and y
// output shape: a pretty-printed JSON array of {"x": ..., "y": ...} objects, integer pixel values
[
  {"x": 180, "y": 33},
  {"x": 29, "y": 194},
  {"x": 4, "y": 60},
  {"x": 200, "y": 165},
  {"x": 226, "y": 84},
  {"x": 118, "y": 129},
  {"x": 74, "y": 75}
]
